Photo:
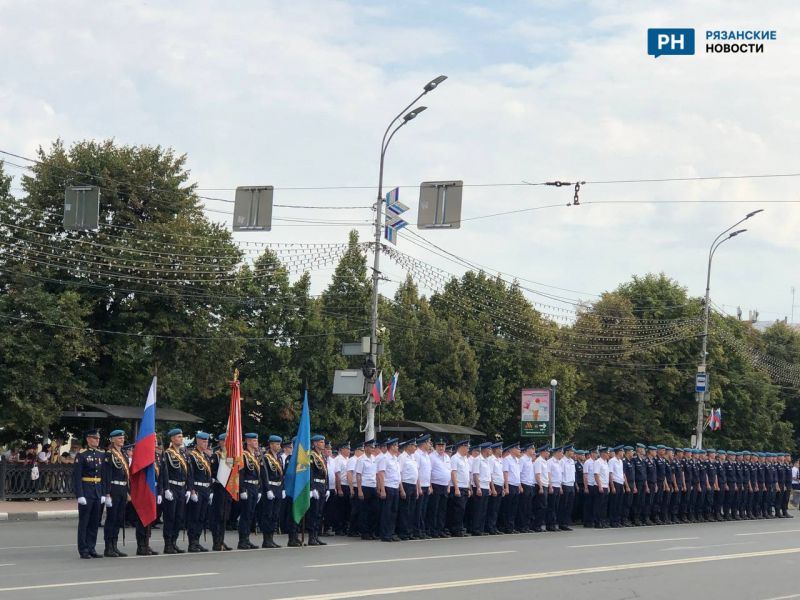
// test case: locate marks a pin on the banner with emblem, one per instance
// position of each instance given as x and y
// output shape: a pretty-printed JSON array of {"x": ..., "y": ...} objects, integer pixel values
[
  {"x": 298, "y": 474},
  {"x": 228, "y": 471}
]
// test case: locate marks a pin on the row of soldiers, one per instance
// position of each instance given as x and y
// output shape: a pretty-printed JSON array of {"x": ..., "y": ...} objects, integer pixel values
[{"x": 421, "y": 488}]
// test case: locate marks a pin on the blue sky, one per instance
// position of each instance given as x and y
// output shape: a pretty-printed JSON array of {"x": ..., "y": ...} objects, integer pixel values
[{"x": 298, "y": 94}]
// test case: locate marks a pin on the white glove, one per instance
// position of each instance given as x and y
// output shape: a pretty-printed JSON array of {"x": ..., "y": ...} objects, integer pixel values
[
  {"x": 283, "y": 494},
  {"x": 82, "y": 501},
  {"x": 243, "y": 496},
  {"x": 108, "y": 501},
  {"x": 211, "y": 497},
  {"x": 187, "y": 496},
  {"x": 315, "y": 494},
  {"x": 159, "y": 499},
  {"x": 168, "y": 495},
  {"x": 194, "y": 497},
  {"x": 327, "y": 494},
  {"x": 259, "y": 498},
  {"x": 270, "y": 495}
]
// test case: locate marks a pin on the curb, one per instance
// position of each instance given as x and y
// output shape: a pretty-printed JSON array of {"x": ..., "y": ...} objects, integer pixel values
[{"x": 42, "y": 515}]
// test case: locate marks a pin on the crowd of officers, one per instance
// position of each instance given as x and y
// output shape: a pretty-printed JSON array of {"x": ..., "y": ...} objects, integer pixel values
[{"x": 423, "y": 488}]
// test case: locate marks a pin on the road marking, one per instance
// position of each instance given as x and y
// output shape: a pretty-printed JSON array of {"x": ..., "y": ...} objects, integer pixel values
[
  {"x": 391, "y": 560},
  {"x": 385, "y": 591},
  {"x": 101, "y": 582},
  {"x": 7, "y": 564},
  {"x": 771, "y": 532},
  {"x": 202, "y": 589},
  {"x": 784, "y": 597},
  {"x": 635, "y": 542},
  {"x": 704, "y": 547},
  {"x": 47, "y": 546}
]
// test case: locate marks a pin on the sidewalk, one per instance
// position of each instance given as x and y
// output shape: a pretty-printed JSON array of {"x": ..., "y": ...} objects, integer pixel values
[{"x": 38, "y": 510}]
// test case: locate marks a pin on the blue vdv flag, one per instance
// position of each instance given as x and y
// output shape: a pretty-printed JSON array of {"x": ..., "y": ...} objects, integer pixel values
[{"x": 297, "y": 482}]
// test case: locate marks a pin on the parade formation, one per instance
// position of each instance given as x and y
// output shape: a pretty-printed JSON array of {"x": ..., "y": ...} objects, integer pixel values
[{"x": 420, "y": 488}]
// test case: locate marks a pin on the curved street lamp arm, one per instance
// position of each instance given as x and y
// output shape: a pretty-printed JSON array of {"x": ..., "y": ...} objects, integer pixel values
[{"x": 384, "y": 142}]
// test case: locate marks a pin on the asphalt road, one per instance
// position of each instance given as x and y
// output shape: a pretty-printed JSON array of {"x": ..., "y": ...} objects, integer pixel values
[{"x": 753, "y": 560}]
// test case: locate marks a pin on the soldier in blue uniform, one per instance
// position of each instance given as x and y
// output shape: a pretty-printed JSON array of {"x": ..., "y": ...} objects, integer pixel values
[
  {"x": 87, "y": 483},
  {"x": 630, "y": 478},
  {"x": 639, "y": 480},
  {"x": 175, "y": 480},
  {"x": 319, "y": 489},
  {"x": 722, "y": 484},
  {"x": 272, "y": 490},
  {"x": 730, "y": 485},
  {"x": 249, "y": 490},
  {"x": 577, "y": 511},
  {"x": 711, "y": 475},
  {"x": 651, "y": 489},
  {"x": 116, "y": 481},
  {"x": 786, "y": 467},
  {"x": 200, "y": 491}
]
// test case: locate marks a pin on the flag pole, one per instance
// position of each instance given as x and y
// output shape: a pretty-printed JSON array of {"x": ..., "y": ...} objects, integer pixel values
[{"x": 303, "y": 531}]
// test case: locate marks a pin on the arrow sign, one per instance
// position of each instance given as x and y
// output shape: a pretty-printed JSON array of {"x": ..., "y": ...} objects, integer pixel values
[{"x": 393, "y": 222}]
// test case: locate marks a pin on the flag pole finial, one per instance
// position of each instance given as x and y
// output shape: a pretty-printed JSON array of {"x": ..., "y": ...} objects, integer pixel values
[{"x": 236, "y": 374}]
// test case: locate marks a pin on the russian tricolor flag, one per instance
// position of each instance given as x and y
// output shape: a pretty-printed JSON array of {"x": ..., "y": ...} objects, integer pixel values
[
  {"x": 377, "y": 389},
  {"x": 393, "y": 386},
  {"x": 143, "y": 470}
]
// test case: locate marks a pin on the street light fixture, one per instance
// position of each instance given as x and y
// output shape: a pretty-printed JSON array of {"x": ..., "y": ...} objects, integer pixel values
[
  {"x": 369, "y": 430},
  {"x": 718, "y": 241}
]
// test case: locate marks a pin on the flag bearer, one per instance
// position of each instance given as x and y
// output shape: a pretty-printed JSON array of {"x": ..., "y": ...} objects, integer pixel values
[{"x": 116, "y": 482}]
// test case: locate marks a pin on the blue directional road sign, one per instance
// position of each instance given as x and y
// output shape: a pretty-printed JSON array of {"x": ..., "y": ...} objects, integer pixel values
[{"x": 393, "y": 223}]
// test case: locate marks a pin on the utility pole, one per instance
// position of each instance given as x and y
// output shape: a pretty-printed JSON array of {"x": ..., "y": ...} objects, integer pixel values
[
  {"x": 371, "y": 367},
  {"x": 701, "y": 394},
  {"x": 792, "y": 321}
]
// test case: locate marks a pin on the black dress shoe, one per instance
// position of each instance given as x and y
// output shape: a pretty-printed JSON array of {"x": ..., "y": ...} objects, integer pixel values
[
  {"x": 565, "y": 528},
  {"x": 94, "y": 554},
  {"x": 87, "y": 556}
]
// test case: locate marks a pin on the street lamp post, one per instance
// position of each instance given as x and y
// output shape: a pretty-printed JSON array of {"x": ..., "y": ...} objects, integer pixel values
[
  {"x": 718, "y": 241},
  {"x": 553, "y": 386},
  {"x": 372, "y": 365}
]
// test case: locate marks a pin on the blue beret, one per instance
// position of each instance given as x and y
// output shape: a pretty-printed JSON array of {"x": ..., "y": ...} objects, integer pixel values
[
  {"x": 201, "y": 435},
  {"x": 222, "y": 437},
  {"x": 711, "y": 451},
  {"x": 652, "y": 448},
  {"x": 174, "y": 432},
  {"x": 661, "y": 447},
  {"x": 640, "y": 445},
  {"x": 317, "y": 438},
  {"x": 116, "y": 433},
  {"x": 275, "y": 439},
  {"x": 423, "y": 438},
  {"x": 251, "y": 436}
]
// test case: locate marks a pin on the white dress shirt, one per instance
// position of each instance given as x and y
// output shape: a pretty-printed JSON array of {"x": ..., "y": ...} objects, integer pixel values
[
  {"x": 482, "y": 467},
  {"x": 588, "y": 470},
  {"x": 555, "y": 469},
  {"x": 350, "y": 467},
  {"x": 526, "y": 470},
  {"x": 423, "y": 460},
  {"x": 390, "y": 468},
  {"x": 512, "y": 467},
  {"x": 617, "y": 473},
  {"x": 541, "y": 473},
  {"x": 568, "y": 465},
  {"x": 460, "y": 464},
  {"x": 440, "y": 468},
  {"x": 497, "y": 470},
  {"x": 331, "y": 463},
  {"x": 409, "y": 471},
  {"x": 366, "y": 468},
  {"x": 601, "y": 469}
]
